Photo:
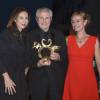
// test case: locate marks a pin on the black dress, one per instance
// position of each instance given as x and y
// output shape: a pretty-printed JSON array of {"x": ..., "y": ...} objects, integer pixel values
[
  {"x": 46, "y": 83},
  {"x": 12, "y": 60}
]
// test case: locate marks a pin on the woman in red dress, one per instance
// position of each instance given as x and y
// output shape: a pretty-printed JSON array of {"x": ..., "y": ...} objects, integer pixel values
[{"x": 80, "y": 82}]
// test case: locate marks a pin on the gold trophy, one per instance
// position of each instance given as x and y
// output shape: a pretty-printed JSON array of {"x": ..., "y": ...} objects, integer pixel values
[{"x": 45, "y": 48}]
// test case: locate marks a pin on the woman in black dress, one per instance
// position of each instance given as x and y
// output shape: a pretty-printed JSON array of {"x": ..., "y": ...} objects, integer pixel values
[{"x": 13, "y": 57}]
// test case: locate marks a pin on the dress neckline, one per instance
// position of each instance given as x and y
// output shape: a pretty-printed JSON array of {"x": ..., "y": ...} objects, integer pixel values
[{"x": 88, "y": 38}]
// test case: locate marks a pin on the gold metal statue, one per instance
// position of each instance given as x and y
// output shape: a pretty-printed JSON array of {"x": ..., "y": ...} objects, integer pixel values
[{"x": 45, "y": 48}]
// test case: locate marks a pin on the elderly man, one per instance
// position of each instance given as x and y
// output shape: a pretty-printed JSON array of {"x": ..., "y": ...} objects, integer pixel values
[{"x": 47, "y": 48}]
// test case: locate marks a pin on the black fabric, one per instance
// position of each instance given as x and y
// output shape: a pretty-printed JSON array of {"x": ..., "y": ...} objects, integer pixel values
[
  {"x": 46, "y": 35},
  {"x": 13, "y": 61},
  {"x": 46, "y": 83}
]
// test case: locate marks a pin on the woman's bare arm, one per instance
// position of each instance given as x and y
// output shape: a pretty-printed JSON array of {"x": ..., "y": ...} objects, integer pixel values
[{"x": 97, "y": 55}]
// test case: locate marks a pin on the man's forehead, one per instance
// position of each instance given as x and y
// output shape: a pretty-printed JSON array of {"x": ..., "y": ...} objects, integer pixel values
[{"x": 45, "y": 13}]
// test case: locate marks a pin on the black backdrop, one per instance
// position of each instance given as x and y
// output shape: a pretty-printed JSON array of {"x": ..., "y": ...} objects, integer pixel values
[
  {"x": 62, "y": 10},
  {"x": 6, "y": 7}
]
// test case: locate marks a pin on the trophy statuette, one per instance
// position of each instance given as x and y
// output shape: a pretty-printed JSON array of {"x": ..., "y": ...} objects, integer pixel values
[{"x": 45, "y": 48}]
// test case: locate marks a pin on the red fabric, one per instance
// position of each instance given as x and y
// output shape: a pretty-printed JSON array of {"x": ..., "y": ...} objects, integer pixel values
[{"x": 80, "y": 82}]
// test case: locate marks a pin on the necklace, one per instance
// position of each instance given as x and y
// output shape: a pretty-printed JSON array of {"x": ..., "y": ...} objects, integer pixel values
[{"x": 81, "y": 40}]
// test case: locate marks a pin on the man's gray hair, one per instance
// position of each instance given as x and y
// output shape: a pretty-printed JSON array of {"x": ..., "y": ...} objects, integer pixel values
[{"x": 39, "y": 10}]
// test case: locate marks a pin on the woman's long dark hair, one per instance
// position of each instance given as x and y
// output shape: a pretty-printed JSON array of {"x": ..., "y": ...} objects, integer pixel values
[{"x": 11, "y": 23}]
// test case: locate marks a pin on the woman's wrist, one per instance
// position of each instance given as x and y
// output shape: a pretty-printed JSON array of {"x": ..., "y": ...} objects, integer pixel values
[{"x": 5, "y": 75}]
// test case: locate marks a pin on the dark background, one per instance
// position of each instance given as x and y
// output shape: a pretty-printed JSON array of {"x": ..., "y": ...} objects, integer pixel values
[
  {"x": 6, "y": 7},
  {"x": 62, "y": 10}
]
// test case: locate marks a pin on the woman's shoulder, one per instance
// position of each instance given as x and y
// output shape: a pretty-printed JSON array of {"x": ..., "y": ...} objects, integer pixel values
[
  {"x": 70, "y": 36},
  {"x": 4, "y": 38},
  {"x": 92, "y": 37},
  {"x": 4, "y": 34},
  {"x": 4, "y": 31}
]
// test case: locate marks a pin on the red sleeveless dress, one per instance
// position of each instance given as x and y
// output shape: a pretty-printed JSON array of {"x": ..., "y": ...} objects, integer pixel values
[{"x": 80, "y": 82}]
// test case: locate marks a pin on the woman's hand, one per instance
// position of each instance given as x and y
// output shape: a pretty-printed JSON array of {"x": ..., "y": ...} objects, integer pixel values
[
  {"x": 9, "y": 84},
  {"x": 55, "y": 56},
  {"x": 43, "y": 62}
]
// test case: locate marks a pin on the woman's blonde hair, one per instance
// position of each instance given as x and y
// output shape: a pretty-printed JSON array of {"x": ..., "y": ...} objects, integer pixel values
[{"x": 84, "y": 15}]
